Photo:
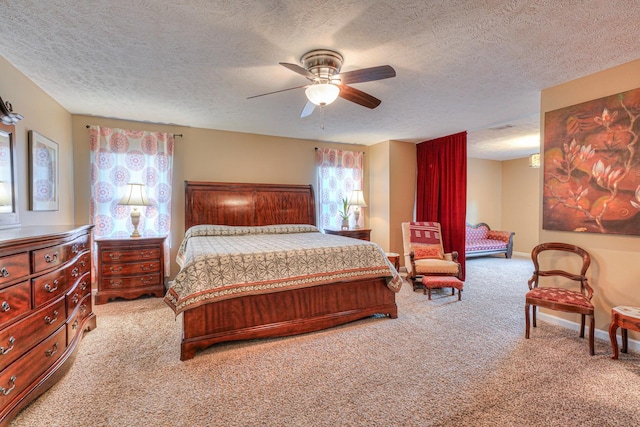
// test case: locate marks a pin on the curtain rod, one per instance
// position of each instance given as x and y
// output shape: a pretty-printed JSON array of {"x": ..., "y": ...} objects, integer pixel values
[{"x": 174, "y": 134}]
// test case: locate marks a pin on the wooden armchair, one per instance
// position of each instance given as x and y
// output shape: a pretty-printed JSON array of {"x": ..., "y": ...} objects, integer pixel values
[
  {"x": 424, "y": 254},
  {"x": 561, "y": 298}
]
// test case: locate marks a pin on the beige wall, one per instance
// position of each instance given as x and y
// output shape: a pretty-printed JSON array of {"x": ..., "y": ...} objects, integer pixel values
[
  {"x": 484, "y": 192},
  {"x": 379, "y": 198},
  {"x": 211, "y": 155},
  {"x": 615, "y": 268},
  {"x": 45, "y": 116},
  {"x": 521, "y": 203}
]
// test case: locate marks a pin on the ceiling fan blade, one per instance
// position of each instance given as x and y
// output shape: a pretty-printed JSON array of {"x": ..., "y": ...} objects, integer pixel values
[
  {"x": 277, "y": 91},
  {"x": 308, "y": 109},
  {"x": 298, "y": 69},
  {"x": 359, "y": 97},
  {"x": 367, "y": 74}
]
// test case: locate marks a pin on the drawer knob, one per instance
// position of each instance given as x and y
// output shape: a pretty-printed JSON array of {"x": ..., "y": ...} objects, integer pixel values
[
  {"x": 4, "y": 272},
  {"x": 75, "y": 248},
  {"x": 49, "y": 321},
  {"x": 12, "y": 384},
  {"x": 75, "y": 298},
  {"x": 52, "y": 351},
  {"x": 4, "y": 351},
  {"x": 83, "y": 285},
  {"x": 51, "y": 258},
  {"x": 147, "y": 267},
  {"x": 5, "y": 306},
  {"x": 115, "y": 283},
  {"x": 115, "y": 269},
  {"x": 115, "y": 255},
  {"x": 50, "y": 288},
  {"x": 83, "y": 308},
  {"x": 75, "y": 272}
]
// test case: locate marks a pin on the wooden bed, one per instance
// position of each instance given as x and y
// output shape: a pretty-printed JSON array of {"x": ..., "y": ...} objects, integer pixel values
[{"x": 280, "y": 313}]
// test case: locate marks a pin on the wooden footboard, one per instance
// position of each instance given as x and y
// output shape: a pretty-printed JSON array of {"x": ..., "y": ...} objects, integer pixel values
[{"x": 284, "y": 313}]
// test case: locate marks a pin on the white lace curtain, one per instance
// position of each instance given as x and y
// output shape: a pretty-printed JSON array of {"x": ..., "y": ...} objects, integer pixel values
[
  {"x": 119, "y": 157},
  {"x": 339, "y": 172}
]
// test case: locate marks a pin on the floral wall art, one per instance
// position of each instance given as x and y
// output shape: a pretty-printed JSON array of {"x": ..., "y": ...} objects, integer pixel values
[{"x": 592, "y": 166}]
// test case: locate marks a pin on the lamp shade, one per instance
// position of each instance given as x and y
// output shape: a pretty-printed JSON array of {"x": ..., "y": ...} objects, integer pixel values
[
  {"x": 357, "y": 199},
  {"x": 322, "y": 93},
  {"x": 135, "y": 195}
]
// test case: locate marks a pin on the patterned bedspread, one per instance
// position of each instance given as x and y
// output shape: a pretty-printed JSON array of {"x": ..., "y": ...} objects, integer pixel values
[{"x": 219, "y": 262}]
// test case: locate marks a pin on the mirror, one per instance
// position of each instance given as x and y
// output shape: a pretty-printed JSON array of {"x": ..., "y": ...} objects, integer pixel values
[{"x": 8, "y": 178}]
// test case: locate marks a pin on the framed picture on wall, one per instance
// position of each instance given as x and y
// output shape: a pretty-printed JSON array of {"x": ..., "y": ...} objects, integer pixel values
[{"x": 43, "y": 173}]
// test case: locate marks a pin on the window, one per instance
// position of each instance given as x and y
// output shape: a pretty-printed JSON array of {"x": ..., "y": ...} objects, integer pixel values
[{"x": 338, "y": 172}]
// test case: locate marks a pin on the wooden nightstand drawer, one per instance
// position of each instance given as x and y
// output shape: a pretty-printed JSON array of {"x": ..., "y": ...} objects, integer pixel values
[
  {"x": 130, "y": 269},
  {"x": 358, "y": 233},
  {"x": 130, "y": 255},
  {"x": 130, "y": 281}
]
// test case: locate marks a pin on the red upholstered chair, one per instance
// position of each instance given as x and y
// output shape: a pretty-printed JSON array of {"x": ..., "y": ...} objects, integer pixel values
[
  {"x": 424, "y": 254},
  {"x": 568, "y": 298}
]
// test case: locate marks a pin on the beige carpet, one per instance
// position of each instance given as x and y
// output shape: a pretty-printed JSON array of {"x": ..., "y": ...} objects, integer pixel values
[{"x": 441, "y": 363}]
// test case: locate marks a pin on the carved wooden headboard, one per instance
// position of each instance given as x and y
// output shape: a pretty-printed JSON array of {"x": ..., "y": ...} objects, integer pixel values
[{"x": 228, "y": 203}]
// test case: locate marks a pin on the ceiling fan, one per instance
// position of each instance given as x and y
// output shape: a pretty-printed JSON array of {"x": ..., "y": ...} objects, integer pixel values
[{"x": 322, "y": 68}]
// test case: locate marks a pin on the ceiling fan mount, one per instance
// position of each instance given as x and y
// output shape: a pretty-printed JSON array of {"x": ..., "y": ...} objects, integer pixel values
[{"x": 322, "y": 63}]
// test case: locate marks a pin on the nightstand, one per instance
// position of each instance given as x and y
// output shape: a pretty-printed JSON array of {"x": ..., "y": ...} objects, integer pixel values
[
  {"x": 356, "y": 233},
  {"x": 129, "y": 268}
]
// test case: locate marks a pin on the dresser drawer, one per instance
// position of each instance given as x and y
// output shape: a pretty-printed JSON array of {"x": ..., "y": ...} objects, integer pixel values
[
  {"x": 78, "y": 292},
  {"x": 20, "y": 374},
  {"x": 14, "y": 267},
  {"x": 130, "y": 269},
  {"x": 14, "y": 301},
  {"x": 130, "y": 281},
  {"x": 80, "y": 267},
  {"x": 49, "y": 286},
  {"x": 80, "y": 244},
  {"x": 44, "y": 259},
  {"x": 21, "y": 336},
  {"x": 128, "y": 255},
  {"x": 74, "y": 322}
]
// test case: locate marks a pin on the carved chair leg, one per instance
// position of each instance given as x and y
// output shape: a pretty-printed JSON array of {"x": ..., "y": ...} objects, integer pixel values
[
  {"x": 429, "y": 293},
  {"x": 459, "y": 294},
  {"x": 526, "y": 319},
  {"x": 453, "y": 291},
  {"x": 582, "y": 326},
  {"x": 533, "y": 310},
  {"x": 625, "y": 340},
  {"x": 592, "y": 329},
  {"x": 613, "y": 327}
]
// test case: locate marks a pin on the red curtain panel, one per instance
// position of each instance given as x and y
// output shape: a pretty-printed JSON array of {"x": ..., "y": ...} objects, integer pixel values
[{"x": 442, "y": 189}]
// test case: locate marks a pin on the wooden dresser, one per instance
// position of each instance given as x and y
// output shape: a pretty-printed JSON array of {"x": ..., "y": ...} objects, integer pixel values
[
  {"x": 45, "y": 305},
  {"x": 129, "y": 268}
]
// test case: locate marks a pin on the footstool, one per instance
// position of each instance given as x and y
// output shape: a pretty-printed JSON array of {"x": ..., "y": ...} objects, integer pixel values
[
  {"x": 438, "y": 282},
  {"x": 624, "y": 317}
]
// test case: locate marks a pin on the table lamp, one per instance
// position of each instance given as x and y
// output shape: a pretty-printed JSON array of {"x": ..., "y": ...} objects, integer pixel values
[
  {"x": 134, "y": 196},
  {"x": 357, "y": 201}
]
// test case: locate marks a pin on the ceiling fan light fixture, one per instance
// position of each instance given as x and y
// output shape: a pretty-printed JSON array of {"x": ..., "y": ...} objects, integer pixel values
[{"x": 322, "y": 93}]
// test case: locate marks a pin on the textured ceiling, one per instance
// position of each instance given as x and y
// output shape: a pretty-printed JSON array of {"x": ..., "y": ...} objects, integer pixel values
[{"x": 461, "y": 64}]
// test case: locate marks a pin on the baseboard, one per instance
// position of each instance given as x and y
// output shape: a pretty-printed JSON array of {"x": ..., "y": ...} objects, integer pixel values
[
  {"x": 600, "y": 334},
  {"x": 521, "y": 254}
]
